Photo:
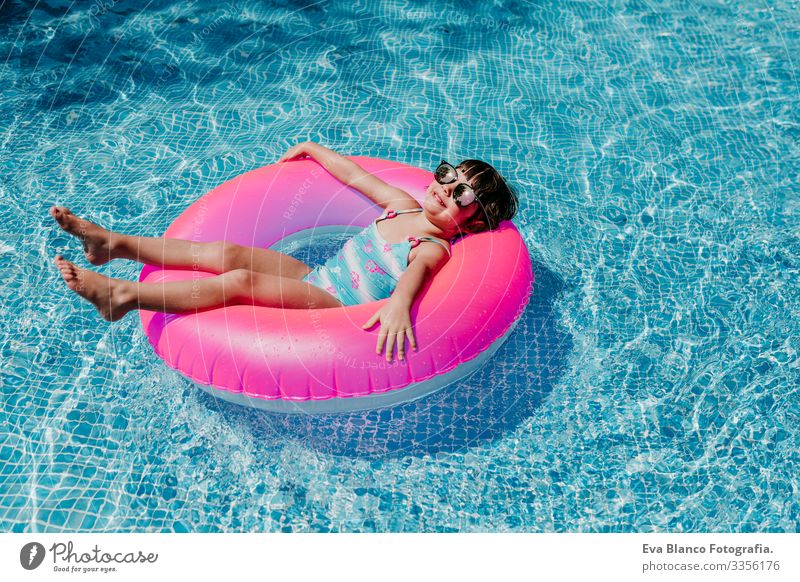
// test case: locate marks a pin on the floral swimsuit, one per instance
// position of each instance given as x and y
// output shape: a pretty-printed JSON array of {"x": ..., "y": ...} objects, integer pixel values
[{"x": 367, "y": 268}]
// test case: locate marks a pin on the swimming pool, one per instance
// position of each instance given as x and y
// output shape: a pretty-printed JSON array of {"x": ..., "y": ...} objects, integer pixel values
[{"x": 651, "y": 384}]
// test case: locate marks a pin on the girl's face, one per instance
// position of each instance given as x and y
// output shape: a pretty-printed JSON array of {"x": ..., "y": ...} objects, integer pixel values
[{"x": 441, "y": 209}]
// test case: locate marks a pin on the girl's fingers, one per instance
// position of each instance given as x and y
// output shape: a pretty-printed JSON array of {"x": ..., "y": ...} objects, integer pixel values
[
  {"x": 389, "y": 347},
  {"x": 401, "y": 347},
  {"x": 371, "y": 321},
  {"x": 412, "y": 342},
  {"x": 293, "y": 152},
  {"x": 381, "y": 339},
  {"x": 388, "y": 338}
]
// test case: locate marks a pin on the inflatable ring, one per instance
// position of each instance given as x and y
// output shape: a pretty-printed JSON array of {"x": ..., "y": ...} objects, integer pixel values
[{"x": 322, "y": 360}]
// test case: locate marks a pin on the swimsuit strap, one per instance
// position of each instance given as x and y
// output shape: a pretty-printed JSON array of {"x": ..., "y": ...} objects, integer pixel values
[
  {"x": 414, "y": 240},
  {"x": 392, "y": 213}
]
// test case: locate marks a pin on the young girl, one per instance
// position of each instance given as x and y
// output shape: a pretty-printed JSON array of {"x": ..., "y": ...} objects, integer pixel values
[{"x": 387, "y": 259}]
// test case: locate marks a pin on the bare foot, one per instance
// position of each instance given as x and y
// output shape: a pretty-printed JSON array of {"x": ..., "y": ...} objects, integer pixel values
[
  {"x": 96, "y": 240},
  {"x": 103, "y": 292}
]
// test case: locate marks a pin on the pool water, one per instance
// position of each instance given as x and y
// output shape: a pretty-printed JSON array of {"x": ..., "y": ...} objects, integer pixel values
[{"x": 652, "y": 383}]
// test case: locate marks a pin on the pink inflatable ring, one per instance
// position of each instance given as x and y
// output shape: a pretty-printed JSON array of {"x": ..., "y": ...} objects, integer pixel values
[{"x": 321, "y": 360}]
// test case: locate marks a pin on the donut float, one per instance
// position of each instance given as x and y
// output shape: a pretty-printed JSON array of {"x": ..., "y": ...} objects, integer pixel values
[{"x": 321, "y": 360}]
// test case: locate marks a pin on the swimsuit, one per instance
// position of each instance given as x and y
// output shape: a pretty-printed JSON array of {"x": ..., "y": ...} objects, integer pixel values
[{"x": 367, "y": 268}]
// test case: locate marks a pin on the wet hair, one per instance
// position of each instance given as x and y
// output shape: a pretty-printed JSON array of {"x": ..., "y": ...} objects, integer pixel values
[{"x": 496, "y": 198}]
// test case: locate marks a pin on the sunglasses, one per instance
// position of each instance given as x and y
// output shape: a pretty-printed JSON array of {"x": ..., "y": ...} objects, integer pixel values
[{"x": 463, "y": 195}]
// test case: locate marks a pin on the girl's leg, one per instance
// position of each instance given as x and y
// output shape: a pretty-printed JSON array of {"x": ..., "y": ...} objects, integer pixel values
[
  {"x": 101, "y": 245},
  {"x": 215, "y": 257},
  {"x": 113, "y": 298}
]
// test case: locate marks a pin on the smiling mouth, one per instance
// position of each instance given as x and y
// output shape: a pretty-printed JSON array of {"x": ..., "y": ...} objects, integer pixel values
[{"x": 439, "y": 200}]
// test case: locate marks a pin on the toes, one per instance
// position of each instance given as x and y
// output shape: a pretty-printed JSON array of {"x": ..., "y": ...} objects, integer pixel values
[
  {"x": 66, "y": 268},
  {"x": 60, "y": 213}
]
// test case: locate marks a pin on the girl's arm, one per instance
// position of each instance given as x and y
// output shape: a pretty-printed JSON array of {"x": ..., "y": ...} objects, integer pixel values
[
  {"x": 353, "y": 175},
  {"x": 395, "y": 314}
]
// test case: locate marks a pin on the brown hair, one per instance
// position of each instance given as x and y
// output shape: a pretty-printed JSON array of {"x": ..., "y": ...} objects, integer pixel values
[{"x": 497, "y": 200}]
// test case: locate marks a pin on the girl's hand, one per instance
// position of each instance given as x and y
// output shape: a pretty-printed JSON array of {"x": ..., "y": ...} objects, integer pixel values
[
  {"x": 395, "y": 321},
  {"x": 298, "y": 151}
]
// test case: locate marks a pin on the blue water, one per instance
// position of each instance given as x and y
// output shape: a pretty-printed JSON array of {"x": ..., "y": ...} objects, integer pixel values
[{"x": 652, "y": 384}]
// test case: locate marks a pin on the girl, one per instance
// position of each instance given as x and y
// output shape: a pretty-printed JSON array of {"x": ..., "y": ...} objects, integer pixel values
[{"x": 381, "y": 261}]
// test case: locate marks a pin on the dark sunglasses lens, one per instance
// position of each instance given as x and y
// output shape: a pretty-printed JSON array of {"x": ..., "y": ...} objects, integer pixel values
[
  {"x": 446, "y": 174},
  {"x": 464, "y": 195}
]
